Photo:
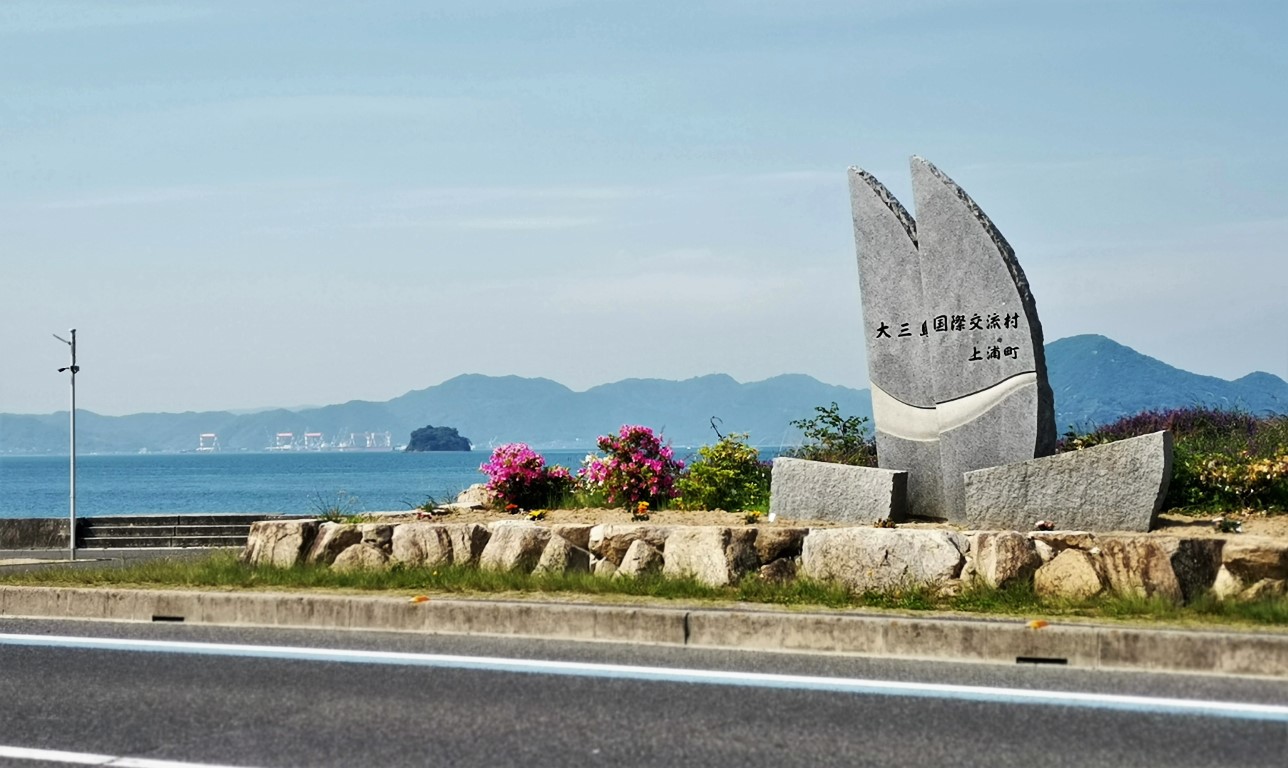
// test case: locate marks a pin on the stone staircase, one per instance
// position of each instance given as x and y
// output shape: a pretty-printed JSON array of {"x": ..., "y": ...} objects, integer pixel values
[{"x": 165, "y": 531}]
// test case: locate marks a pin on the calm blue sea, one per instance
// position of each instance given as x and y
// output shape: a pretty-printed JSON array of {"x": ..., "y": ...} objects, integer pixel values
[{"x": 211, "y": 483}]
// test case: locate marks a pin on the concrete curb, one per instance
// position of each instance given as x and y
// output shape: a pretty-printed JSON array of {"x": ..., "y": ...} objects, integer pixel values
[{"x": 941, "y": 639}]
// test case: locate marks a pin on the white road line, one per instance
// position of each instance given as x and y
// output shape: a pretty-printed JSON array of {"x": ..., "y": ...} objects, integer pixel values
[
  {"x": 87, "y": 758},
  {"x": 1150, "y": 704}
]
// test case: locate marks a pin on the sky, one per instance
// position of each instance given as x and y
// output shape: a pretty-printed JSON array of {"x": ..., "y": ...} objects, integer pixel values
[{"x": 250, "y": 204}]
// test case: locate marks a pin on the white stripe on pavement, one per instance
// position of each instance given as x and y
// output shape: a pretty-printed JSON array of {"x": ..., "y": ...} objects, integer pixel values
[
  {"x": 1150, "y": 704},
  {"x": 87, "y": 758}
]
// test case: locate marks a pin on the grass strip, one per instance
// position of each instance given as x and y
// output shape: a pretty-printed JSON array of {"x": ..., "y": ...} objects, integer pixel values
[{"x": 222, "y": 570}]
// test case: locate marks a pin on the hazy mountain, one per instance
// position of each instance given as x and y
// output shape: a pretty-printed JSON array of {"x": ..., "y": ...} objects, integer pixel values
[{"x": 1095, "y": 381}]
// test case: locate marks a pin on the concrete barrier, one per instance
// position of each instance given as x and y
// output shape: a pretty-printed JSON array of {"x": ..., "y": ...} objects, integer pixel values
[{"x": 1002, "y": 641}]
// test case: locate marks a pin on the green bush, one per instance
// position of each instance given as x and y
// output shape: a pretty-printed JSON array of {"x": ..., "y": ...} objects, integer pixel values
[
  {"x": 835, "y": 438},
  {"x": 728, "y": 475}
]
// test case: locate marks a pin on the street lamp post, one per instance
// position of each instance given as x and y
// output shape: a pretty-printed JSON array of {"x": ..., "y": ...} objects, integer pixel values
[{"x": 74, "y": 368}]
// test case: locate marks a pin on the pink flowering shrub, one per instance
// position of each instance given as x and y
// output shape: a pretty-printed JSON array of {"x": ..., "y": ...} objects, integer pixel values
[
  {"x": 518, "y": 475},
  {"x": 637, "y": 467}
]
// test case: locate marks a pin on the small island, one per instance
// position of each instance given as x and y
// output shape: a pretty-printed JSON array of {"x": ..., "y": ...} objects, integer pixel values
[{"x": 431, "y": 438}]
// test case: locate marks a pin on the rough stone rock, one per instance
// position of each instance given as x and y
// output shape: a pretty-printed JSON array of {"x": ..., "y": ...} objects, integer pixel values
[
  {"x": 1072, "y": 573},
  {"x": 880, "y": 559},
  {"x": 1062, "y": 540},
  {"x": 711, "y": 554},
  {"x": 474, "y": 497},
  {"x": 776, "y": 543},
  {"x": 279, "y": 543},
  {"x": 562, "y": 556},
  {"x": 514, "y": 547},
  {"x": 1160, "y": 566},
  {"x": 1253, "y": 558},
  {"x": 641, "y": 558},
  {"x": 377, "y": 534},
  {"x": 779, "y": 571},
  {"x": 1117, "y": 486},
  {"x": 816, "y": 490},
  {"x": 1045, "y": 551},
  {"x": 576, "y": 533},
  {"x": 1004, "y": 557},
  {"x": 1229, "y": 584},
  {"x": 1265, "y": 588},
  {"x": 603, "y": 567},
  {"x": 331, "y": 540},
  {"x": 468, "y": 541},
  {"x": 421, "y": 544},
  {"x": 1226, "y": 585},
  {"x": 361, "y": 557},
  {"x": 611, "y": 540}
]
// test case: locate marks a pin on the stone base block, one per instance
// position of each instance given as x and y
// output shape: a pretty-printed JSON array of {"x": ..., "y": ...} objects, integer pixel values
[
  {"x": 815, "y": 490},
  {"x": 1113, "y": 487}
]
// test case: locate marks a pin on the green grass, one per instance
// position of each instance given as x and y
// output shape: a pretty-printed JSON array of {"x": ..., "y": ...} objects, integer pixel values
[{"x": 222, "y": 570}]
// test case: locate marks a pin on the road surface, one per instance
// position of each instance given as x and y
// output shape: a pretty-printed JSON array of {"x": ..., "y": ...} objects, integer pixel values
[{"x": 174, "y": 695}]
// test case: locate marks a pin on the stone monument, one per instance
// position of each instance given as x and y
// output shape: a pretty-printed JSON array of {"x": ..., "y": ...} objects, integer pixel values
[
  {"x": 954, "y": 344},
  {"x": 960, "y": 396}
]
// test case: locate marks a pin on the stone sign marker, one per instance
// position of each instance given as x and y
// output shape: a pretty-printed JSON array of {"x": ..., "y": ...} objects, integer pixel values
[
  {"x": 954, "y": 344},
  {"x": 964, "y": 415}
]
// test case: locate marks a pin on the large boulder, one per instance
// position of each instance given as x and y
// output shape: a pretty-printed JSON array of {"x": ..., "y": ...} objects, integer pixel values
[
  {"x": 880, "y": 559},
  {"x": 578, "y": 534},
  {"x": 610, "y": 541},
  {"x": 514, "y": 546},
  {"x": 562, "y": 556},
  {"x": 1072, "y": 573},
  {"x": 773, "y": 543},
  {"x": 279, "y": 543},
  {"x": 1250, "y": 567},
  {"x": 362, "y": 556},
  {"x": 1004, "y": 557},
  {"x": 476, "y": 496},
  {"x": 331, "y": 540},
  {"x": 640, "y": 559},
  {"x": 377, "y": 534},
  {"x": 779, "y": 571},
  {"x": 1252, "y": 559},
  {"x": 1118, "y": 486},
  {"x": 1160, "y": 566},
  {"x": 468, "y": 541},
  {"x": 817, "y": 490},
  {"x": 713, "y": 555},
  {"x": 427, "y": 545}
]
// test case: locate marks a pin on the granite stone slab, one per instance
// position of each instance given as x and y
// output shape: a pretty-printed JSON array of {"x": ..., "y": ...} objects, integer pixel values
[
  {"x": 1117, "y": 486},
  {"x": 815, "y": 490}
]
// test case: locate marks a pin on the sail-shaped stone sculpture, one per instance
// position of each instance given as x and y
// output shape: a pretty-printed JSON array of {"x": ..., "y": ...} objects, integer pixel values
[
  {"x": 964, "y": 415},
  {"x": 954, "y": 345}
]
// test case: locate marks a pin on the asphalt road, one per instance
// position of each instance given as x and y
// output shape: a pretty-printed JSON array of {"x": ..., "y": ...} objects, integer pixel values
[{"x": 241, "y": 708}]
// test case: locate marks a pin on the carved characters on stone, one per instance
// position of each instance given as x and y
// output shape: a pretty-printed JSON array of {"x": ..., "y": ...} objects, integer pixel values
[{"x": 954, "y": 345}]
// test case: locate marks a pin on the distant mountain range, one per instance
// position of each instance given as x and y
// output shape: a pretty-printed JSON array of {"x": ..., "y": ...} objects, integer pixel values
[{"x": 1095, "y": 380}]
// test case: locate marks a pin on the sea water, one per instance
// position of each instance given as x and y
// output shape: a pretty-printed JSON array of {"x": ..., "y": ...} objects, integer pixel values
[{"x": 256, "y": 483}]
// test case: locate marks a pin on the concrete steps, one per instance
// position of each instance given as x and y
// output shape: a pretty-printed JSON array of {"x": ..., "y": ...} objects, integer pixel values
[{"x": 163, "y": 531}]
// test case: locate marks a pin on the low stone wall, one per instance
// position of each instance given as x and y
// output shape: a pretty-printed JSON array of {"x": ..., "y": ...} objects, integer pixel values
[
  {"x": 1058, "y": 563},
  {"x": 33, "y": 533}
]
